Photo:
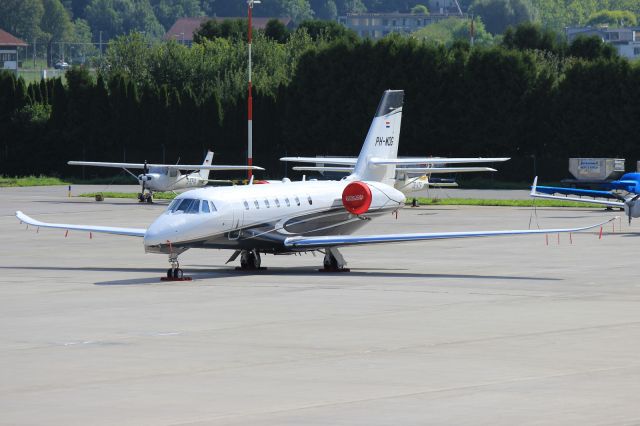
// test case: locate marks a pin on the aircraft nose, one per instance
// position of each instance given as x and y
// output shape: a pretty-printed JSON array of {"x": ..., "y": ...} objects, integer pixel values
[{"x": 159, "y": 232}]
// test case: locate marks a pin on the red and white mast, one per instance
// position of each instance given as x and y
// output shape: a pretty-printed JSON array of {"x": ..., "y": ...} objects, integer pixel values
[{"x": 250, "y": 4}]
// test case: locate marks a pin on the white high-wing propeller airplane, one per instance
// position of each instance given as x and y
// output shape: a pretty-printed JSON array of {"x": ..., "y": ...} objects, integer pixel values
[
  {"x": 293, "y": 216},
  {"x": 413, "y": 177},
  {"x": 168, "y": 177}
]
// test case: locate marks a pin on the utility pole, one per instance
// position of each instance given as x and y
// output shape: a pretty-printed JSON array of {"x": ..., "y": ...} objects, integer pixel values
[{"x": 250, "y": 4}]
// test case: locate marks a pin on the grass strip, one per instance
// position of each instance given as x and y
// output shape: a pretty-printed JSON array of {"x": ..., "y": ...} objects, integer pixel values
[
  {"x": 6, "y": 181},
  {"x": 134, "y": 195},
  {"x": 501, "y": 203}
]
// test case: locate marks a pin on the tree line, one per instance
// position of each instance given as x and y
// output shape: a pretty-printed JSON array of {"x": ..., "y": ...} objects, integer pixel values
[{"x": 525, "y": 98}]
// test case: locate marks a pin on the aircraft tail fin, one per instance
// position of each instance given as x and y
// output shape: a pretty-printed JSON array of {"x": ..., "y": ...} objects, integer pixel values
[
  {"x": 382, "y": 140},
  {"x": 204, "y": 173}
]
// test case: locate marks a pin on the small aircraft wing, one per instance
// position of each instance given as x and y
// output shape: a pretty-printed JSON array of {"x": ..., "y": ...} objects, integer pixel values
[
  {"x": 347, "y": 161},
  {"x": 324, "y": 169},
  {"x": 352, "y": 240},
  {"x": 116, "y": 165},
  {"x": 213, "y": 167},
  {"x": 548, "y": 191},
  {"x": 436, "y": 170},
  {"x": 435, "y": 160},
  {"x": 131, "y": 232},
  {"x": 168, "y": 166}
]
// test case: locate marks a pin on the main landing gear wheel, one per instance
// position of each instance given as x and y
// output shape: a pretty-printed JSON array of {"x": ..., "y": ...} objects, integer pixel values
[
  {"x": 145, "y": 197},
  {"x": 175, "y": 273},
  {"x": 250, "y": 261},
  {"x": 333, "y": 261}
]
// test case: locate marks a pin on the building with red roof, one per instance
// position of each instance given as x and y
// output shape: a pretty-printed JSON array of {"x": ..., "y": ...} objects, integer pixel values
[{"x": 9, "y": 51}]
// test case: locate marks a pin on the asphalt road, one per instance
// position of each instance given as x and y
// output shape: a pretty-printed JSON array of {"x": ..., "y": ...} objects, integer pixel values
[{"x": 498, "y": 331}]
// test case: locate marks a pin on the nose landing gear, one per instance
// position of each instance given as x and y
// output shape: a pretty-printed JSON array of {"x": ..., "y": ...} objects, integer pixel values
[
  {"x": 175, "y": 273},
  {"x": 145, "y": 197}
]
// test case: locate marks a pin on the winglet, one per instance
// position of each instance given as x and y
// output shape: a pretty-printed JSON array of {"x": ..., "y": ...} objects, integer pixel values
[{"x": 534, "y": 186}]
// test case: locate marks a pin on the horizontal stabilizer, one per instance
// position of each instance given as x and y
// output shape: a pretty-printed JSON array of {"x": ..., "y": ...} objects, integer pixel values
[
  {"x": 131, "y": 232},
  {"x": 575, "y": 191},
  {"x": 551, "y": 190},
  {"x": 433, "y": 160},
  {"x": 351, "y": 240}
]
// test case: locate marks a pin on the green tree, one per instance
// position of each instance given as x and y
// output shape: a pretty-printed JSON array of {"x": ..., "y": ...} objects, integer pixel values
[
  {"x": 21, "y": 17},
  {"x": 613, "y": 18},
  {"x": 276, "y": 30},
  {"x": 420, "y": 9},
  {"x": 592, "y": 48},
  {"x": 497, "y": 15},
  {"x": 168, "y": 11},
  {"x": 298, "y": 10},
  {"x": 325, "y": 9},
  {"x": 532, "y": 36},
  {"x": 235, "y": 29},
  {"x": 327, "y": 30},
  {"x": 449, "y": 30},
  {"x": 56, "y": 25}
]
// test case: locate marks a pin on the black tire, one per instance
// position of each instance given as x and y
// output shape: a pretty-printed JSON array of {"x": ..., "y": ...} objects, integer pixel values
[
  {"x": 149, "y": 199},
  {"x": 178, "y": 274},
  {"x": 170, "y": 273}
]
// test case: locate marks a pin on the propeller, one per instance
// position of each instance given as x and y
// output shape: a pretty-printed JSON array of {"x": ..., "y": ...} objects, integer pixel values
[
  {"x": 145, "y": 170},
  {"x": 630, "y": 204}
]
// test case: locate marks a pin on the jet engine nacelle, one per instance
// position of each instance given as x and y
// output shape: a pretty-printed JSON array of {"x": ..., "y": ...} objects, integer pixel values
[
  {"x": 357, "y": 197},
  {"x": 145, "y": 178}
]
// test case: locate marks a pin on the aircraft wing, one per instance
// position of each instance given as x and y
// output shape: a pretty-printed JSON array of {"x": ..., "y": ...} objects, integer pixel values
[
  {"x": 168, "y": 166},
  {"x": 352, "y": 240},
  {"x": 435, "y": 170},
  {"x": 324, "y": 169},
  {"x": 434, "y": 160},
  {"x": 131, "y": 232},
  {"x": 547, "y": 191},
  {"x": 347, "y": 161}
]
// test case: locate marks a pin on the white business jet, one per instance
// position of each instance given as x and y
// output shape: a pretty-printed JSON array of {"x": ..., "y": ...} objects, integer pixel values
[
  {"x": 412, "y": 177},
  {"x": 168, "y": 177},
  {"x": 291, "y": 217}
]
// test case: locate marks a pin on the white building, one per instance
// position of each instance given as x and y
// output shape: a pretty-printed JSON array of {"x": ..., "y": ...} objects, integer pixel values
[{"x": 626, "y": 40}]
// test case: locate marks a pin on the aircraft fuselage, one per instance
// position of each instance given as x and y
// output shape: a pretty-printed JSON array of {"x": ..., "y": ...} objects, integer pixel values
[{"x": 262, "y": 216}]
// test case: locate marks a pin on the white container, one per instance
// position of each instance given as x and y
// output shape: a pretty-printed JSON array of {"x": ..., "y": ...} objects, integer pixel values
[{"x": 596, "y": 168}]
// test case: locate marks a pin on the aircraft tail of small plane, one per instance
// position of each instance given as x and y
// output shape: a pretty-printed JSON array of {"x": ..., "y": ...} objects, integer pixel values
[
  {"x": 382, "y": 140},
  {"x": 204, "y": 173}
]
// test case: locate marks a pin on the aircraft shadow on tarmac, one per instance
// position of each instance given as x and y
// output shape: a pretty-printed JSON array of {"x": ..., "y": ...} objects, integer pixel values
[{"x": 227, "y": 272}]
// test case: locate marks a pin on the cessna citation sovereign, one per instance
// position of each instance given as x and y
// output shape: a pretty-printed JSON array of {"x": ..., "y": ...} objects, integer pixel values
[
  {"x": 291, "y": 217},
  {"x": 167, "y": 177}
]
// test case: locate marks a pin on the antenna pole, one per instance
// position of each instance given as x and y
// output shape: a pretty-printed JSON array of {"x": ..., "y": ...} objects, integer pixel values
[{"x": 250, "y": 4}]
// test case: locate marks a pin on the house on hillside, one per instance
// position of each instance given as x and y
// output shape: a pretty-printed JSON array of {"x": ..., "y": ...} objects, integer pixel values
[
  {"x": 183, "y": 29},
  {"x": 626, "y": 40},
  {"x": 9, "y": 51},
  {"x": 378, "y": 25}
]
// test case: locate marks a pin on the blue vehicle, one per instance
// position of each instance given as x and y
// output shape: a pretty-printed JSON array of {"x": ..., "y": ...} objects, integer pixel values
[{"x": 623, "y": 193}]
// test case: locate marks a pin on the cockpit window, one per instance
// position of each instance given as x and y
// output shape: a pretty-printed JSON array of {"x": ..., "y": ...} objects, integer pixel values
[
  {"x": 186, "y": 205},
  {"x": 213, "y": 207},
  {"x": 204, "y": 206},
  {"x": 173, "y": 205}
]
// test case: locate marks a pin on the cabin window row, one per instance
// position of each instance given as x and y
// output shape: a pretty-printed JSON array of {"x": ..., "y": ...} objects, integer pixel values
[{"x": 266, "y": 203}]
